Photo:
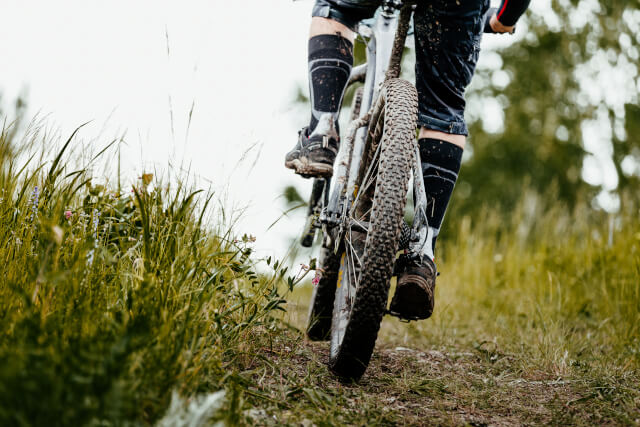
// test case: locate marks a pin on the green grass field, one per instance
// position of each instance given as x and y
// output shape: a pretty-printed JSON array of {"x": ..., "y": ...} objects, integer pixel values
[{"x": 141, "y": 306}]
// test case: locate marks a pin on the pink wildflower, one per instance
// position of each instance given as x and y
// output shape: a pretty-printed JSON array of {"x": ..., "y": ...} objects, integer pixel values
[
  {"x": 68, "y": 214},
  {"x": 315, "y": 280}
]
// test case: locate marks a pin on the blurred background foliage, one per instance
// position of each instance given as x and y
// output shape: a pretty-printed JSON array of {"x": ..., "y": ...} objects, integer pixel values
[
  {"x": 554, "y": 86},
  {"x": 567, "y": 91}
]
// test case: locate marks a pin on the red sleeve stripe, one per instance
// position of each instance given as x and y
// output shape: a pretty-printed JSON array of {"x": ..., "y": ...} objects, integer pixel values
[{"x": 504, "y": 6}]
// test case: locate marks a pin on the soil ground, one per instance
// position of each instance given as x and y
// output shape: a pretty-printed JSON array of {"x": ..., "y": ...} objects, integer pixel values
[{"x": 465, "y": 384}]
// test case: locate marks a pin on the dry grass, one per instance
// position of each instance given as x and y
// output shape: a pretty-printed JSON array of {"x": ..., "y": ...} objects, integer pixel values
[{"x": 537, "y": 321}]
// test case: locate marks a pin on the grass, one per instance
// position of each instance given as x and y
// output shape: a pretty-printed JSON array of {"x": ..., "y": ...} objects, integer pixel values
[
  {"x": 111, "y": 301},
  {"x": 537, "y": 321},
  {"x": 140, "y": 307}
]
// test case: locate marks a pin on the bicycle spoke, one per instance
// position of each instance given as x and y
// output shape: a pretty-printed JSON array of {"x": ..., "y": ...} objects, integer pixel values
[
  {"x": 369, "y": 177},
  {"x": 370, "y": 180},
  {"x": 352, "y": 258},
  {"x": 361, "y": 225},
  {"x": 354, "y": 250},
  {"x": 363, "y": 217},
  {"x": 351, "y": 266}
]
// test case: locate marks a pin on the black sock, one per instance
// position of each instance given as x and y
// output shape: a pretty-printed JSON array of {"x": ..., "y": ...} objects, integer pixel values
[
  {"x": 330, "y": 63},
  {"x": 440, "y": 166}
]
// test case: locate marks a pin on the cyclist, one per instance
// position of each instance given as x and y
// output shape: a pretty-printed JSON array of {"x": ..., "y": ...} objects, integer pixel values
[{"x": 447, "y": 35}]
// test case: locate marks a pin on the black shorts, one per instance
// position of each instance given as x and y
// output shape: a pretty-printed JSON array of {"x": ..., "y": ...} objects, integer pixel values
[{"x": 447, "y": 37}]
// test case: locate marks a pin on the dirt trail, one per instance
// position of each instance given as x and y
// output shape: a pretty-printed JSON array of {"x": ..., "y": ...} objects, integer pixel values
[
  {"x": 455, "y": 381},
  {"x": 404, "y": 386},
  {"x": 458, "y": 388}
]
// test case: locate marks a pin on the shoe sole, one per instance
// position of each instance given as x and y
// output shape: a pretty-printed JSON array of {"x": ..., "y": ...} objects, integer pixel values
[
  {"x": 410, "y": 300},
  {"x": 307, "y": 169}
]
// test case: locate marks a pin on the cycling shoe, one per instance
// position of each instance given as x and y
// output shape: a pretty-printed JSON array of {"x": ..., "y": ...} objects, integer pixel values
[
  {"x": 314, "y": 155},
  {"x": 414, "y": 296}
]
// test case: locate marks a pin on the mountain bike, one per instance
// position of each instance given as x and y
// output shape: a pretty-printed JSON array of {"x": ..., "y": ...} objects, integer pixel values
[{"x": 360, "y": 211}]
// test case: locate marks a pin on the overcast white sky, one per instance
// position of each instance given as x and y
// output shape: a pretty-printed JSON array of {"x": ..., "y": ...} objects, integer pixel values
[
  {"x": 136, "y": 67},
  {"x": 238, "y": 61}
]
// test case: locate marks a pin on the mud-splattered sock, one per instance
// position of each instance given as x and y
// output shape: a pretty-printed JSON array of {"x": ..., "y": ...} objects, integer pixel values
[
  {"x": 330, "y": 63},
  {"x": 440, "y": 166}
]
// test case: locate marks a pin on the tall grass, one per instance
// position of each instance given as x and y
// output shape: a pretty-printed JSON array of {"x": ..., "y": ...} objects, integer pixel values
[
  {"x": 110, "y": 301},
  {"x": 138, "y": 306}
]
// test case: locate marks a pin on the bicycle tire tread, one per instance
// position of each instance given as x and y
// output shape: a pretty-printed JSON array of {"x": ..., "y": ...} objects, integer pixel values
[{"x": 370, "y": 304}]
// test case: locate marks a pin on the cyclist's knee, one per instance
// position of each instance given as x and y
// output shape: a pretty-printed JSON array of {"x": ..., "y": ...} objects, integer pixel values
[
  {"x": 320, "y": 26},
  {"x": 459, "y": 140}
]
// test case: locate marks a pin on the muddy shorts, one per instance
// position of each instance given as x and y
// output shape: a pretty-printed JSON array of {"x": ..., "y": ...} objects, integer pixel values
[{"x": 447, "y": 37}]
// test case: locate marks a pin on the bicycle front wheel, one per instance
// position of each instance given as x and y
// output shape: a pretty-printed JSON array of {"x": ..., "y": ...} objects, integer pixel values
[{"x": 372, "y": 235}]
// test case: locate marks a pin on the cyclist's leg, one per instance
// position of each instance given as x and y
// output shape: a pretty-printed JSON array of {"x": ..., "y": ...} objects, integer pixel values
[
  {"x": 447, "y": 43},
  {"x": 330, "y": 63},
  {"x": 326, "y": 26},
  {"x": 331, "y": 52}
]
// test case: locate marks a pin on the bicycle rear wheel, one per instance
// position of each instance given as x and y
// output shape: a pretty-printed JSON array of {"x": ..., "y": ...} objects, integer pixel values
[
  {"x": 321, "y": 306},
  {"x": 371, "y": 239}
]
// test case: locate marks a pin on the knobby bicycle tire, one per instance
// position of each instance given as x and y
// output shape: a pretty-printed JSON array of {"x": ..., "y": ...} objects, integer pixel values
[
  {"x": 396, "y": 126},
  {"x": 321, "y": 306}
]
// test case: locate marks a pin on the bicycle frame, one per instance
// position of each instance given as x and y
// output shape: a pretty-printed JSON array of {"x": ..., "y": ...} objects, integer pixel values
[{"x": 385, "y": 41}]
